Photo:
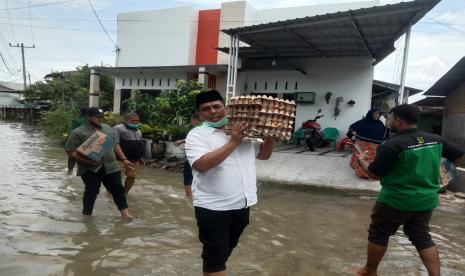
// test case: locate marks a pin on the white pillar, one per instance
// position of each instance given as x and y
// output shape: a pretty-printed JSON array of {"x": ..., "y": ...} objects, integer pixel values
[
  {"x": 117, "y": 101},
  {"x": 401, "y": 99},
  {"x": 203, "y": 77},
  {"x": 94, "y": 88}
]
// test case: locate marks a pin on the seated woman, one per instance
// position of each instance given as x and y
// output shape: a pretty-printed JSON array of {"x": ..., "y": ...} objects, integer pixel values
[{"x": 367, "y": 134}]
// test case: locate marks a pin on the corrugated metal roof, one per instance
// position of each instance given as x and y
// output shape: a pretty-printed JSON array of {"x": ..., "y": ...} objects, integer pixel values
[
  {"x": 377, "y": 84},
  {"x": 451, "y": 80},
  {"x": 13, "y": 87},
  {"x": 362, "y": 32},
  {"x": 431, "y": 101}
]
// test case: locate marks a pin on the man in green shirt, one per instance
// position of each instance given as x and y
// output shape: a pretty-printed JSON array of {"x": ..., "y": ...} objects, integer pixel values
[
  {"x": 408, "y": 167},
  {"x": 106, "y": 171}
]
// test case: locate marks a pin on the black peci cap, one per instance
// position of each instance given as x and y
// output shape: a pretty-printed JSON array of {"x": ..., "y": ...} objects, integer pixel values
[
  {"x": 208, "y": 96},
  {"x": 95, "y": 112}
]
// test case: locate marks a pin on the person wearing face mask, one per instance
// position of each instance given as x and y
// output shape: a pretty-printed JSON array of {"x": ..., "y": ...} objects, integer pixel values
[
  {"x": 368, "y": 134},
  {"x": 224, "y": 186},
  {"x": 94, "y": 173},
  {"x": 133, "y": 147}
]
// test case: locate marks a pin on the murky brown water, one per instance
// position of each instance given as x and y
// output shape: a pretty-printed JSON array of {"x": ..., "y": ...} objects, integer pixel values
[{"x": 293, "y": 231}]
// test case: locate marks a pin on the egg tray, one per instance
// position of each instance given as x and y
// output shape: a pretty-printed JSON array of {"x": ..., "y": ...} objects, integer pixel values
[{"x": 265, "y": 116}]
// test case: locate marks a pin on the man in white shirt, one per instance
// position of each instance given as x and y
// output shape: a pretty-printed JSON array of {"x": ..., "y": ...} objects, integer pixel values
[{"x": 224, "y": 185}]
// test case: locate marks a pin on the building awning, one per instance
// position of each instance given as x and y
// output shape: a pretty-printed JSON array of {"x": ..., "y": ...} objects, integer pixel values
[
  {"x": 431, "y": 101},
  {"x": 451, "y": 80},
  {"x": 380, "y": 87},
  {"x": 121, "y": 71},
  {"x": 369, "y": 32}
]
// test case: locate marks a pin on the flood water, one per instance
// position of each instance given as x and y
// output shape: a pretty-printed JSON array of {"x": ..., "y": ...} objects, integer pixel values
[{"x": 294, "y": 230}]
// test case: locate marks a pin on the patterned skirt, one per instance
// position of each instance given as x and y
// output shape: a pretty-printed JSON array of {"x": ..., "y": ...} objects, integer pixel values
[{"x": 371, "y": 149}]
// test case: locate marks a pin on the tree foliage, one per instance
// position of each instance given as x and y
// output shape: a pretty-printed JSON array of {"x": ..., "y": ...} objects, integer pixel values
[
  {"x": 71, "y": 90},
  {"x": 170, "y": 111},
  {"x": 166, "y": 116}
]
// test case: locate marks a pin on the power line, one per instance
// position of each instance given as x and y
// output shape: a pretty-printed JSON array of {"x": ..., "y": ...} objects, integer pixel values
[
  {"x": 98, "y": 30},
  {"x": 103, "y": 27},
  {"x": 139, "y": 20},
  {"x": 30, "y": 20},
  {"x": 174, "y": 20},
  {"x": 437, "y": 33},
  {"x": 171, "y": 33},
  {"x": 38, "y": 5},
  {"x": 6, "y": 65},
  {"x": 9, "y": 20},
  {"x": 3, "y": 41},
  {"x": 1, "y": 70},
  {"x": 183, "y": 21},
  {"x": 446, "y": 25},
  {"x": 4, "y": 79},
  {"x": 34, "y": 76},
  {"x": 441, "y": 23}
]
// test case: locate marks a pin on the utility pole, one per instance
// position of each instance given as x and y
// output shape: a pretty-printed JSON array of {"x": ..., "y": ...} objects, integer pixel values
[{"x": 24, "y": 62}]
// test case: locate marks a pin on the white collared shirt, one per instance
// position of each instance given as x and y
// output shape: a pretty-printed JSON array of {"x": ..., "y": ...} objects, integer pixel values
[{"x": 233, "y": 183}]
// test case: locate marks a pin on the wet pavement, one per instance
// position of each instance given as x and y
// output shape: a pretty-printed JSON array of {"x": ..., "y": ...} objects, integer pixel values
[{"x": 294, "y": 230}]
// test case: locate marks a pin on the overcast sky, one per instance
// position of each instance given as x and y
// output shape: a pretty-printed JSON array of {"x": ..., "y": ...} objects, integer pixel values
[{"x": 67, "y": 34}]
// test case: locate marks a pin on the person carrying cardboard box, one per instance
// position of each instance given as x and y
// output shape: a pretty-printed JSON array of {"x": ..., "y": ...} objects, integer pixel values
[{"x": 104, "y": 171}]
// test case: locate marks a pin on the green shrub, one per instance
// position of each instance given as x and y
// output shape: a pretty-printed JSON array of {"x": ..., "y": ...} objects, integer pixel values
[
  {"x": 155, "y": 133},
  {"x": 167, "y": 116},
  {"x": 177, "y": 132},
  {"x": 56, "y": 123},
  {"x": 113, "y": 119}
]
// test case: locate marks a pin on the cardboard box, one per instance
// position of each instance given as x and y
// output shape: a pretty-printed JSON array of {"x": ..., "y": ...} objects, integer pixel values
[
  {"x": 447, "y": 173},
  {"x": 96, "y": 146}
]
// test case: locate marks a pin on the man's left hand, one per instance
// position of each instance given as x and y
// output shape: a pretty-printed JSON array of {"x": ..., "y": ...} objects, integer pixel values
[
  {"x": 128, "y": 164},
  {"x": 361, "y": 156}
]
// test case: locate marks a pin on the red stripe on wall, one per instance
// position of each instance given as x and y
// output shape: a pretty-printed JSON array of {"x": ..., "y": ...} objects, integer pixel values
[{"x": 208, "y": 37}]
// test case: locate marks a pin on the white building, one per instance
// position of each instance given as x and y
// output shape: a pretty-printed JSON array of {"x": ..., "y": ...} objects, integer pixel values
[{"x": 294, "y": 53}]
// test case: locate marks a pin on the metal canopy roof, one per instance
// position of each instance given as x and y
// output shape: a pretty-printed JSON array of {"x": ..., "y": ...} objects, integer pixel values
[
  {"x": 382, "y": 86},
  {"x": 363, "y": 32},
  {"x": 431, "y": 101},
  {"x": 451, "y": 80}
]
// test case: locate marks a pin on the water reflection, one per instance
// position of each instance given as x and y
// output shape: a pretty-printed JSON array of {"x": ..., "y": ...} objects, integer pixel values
[{"x": 293, "y": 231}]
